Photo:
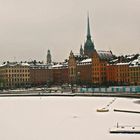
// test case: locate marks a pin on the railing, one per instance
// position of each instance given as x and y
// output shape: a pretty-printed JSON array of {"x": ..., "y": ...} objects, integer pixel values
[{"x": 128, "y": 89}]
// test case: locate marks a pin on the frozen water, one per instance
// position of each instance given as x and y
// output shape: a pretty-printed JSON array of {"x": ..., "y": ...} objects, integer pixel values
[{"x": 65, "y": 118}]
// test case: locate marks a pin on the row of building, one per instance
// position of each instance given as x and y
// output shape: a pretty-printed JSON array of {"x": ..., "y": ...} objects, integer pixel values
[
  {"x": 103, "y": 69},
  {"x": 89, "y": 67},
  {"x": 106, "y": 69}
]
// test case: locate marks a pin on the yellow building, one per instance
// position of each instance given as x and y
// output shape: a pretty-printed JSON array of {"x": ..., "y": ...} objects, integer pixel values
[
  {"x": 15, "y": 74},
  {"x": 122, "y": 73}
]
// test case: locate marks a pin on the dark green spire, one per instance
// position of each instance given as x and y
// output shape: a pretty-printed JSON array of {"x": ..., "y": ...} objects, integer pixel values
[
  {"x": 89, "y": 45},
  {"x": 81, "y": 51},
  {"x": 88, "y": 28}
]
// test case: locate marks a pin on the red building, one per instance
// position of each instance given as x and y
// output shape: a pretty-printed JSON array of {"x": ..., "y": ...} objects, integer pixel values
[
  {"x": 99, "y": 63},
  {"x": 60, "y": 74},
  {"x": 40, "y": 75},
  {"x": 84, "y": 71},
  {"x": 79, "y": 69},
  {"x": 72, "y": 68}
]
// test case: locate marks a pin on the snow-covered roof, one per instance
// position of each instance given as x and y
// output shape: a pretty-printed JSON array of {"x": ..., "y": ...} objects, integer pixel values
[
  {"x": 107, "y": 55},
  {"x": 85, "y": 62},
  {"x": 119, "y": 64},
  {"x": 88, "y": 60},
  {"x": 25, "y": 64},
  {"x": 60, "y": 65},
  {"x": 135, "y": 63},
  {"x": 123, "y": 63},
  {"x": 130, "y": 56},
  {"x": 13, "y": 64},
  {"x": 114, "y": 60},
  {"x": 57, "y": 66},
  {"x": 2, "y": 65},
  {"x": 40, "y": 66}
]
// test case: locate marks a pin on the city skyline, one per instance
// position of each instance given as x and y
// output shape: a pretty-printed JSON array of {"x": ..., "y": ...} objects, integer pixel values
[{"x": 30, "y": 28}]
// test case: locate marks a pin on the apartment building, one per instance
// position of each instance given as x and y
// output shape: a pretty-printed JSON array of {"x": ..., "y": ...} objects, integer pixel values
[
  {"x": 15, "y": 74},
  {"x": 100, "y": 60}
]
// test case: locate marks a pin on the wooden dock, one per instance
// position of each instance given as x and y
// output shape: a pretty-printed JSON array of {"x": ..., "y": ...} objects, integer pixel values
[
  {"x": 125, "y": 130},
  {"x": 126, "y": 111}
]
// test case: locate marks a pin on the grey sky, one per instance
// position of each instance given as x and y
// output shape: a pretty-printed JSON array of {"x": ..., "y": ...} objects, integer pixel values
[{"x": 29, "y": 27}]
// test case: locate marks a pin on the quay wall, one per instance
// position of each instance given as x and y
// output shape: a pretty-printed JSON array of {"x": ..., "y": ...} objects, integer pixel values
[{"x": 127, "y": 89}]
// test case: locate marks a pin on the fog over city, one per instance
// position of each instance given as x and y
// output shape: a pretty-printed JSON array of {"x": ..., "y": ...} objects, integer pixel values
[{"x": 29, "y": 28}]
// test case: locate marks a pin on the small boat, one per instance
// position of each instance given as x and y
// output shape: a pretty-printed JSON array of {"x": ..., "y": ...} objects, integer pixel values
[
  {"x": 102, "y": 110},
  {"x": 125, "y": 129}
]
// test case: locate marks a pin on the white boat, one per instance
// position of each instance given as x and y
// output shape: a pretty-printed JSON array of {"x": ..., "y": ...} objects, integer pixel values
[{"x": 102, "y": 110}]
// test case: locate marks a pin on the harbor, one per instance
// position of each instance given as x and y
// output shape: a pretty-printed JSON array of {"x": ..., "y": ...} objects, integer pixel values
[{"x": 40, "y": 117}]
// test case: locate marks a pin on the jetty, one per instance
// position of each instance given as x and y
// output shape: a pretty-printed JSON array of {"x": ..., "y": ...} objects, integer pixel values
[
  {"x": 126, "y": 111},
  {"x": 125, "y": 129}
]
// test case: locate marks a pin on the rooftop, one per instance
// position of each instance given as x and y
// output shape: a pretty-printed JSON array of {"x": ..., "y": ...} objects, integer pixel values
[{"x": 105, "y": 55}]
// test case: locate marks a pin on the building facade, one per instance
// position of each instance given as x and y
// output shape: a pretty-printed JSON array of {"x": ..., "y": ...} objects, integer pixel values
[
  {"x": 40, "y": 74},
  {"x": 118, "y": 74},
  {"x": 60, "y": 74},
  {"x": 72, "y": 68},
  {"x": 134, "y": 72},
  {"x": 15, "y": 74},
  {"x": 84, "y": 72},
  {"x": 100, "y": 60},
  {"x": 79, "y": 69}
]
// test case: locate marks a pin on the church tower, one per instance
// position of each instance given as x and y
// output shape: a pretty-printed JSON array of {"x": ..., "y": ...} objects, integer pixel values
[
  {"x": 81, "y": 51},
  {"x": 49, "y": 58},
  {"x": 89, "y": 47}
]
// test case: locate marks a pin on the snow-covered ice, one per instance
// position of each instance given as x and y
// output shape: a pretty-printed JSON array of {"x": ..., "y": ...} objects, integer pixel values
[{"x": 65, "y": 118}]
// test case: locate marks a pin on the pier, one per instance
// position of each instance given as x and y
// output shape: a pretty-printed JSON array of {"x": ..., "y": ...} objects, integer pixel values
[{"x": 126, "y": 111}]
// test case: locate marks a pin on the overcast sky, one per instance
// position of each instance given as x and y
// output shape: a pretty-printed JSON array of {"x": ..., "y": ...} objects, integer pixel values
[{"x": 28, "y": 28}]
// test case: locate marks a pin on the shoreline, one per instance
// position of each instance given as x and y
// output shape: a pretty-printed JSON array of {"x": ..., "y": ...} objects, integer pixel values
[{"x": 66, "y": 94}]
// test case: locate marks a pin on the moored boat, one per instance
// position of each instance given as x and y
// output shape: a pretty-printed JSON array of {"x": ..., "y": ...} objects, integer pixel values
[{"x": 102, "y": 110}]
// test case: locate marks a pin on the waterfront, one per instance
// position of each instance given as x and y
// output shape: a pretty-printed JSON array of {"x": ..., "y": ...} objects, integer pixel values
[{"x": 65, "y": 118}]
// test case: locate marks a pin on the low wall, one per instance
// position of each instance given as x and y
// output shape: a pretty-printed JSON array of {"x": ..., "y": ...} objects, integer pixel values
[{"x": 127, "y": 89}]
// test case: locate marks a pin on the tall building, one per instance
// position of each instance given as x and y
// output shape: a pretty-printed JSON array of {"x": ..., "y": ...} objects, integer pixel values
[
  {"x": 72, "y": 66},
  {"x": 99, "y": 62},
  {"x": 79, "y": 69},
  {"x": 89, "y": 46},
  {"x": 49, "y": 57}
]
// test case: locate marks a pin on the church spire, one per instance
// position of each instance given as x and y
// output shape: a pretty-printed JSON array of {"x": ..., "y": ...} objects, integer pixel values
[
  {"x": 88, "y": 28},
  {"x": 81, "y": 51},
  {"x": 89, "y": 45}
]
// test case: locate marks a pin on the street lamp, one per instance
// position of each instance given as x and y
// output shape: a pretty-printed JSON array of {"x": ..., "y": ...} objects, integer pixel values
[{"x": 78, "y": 77}]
